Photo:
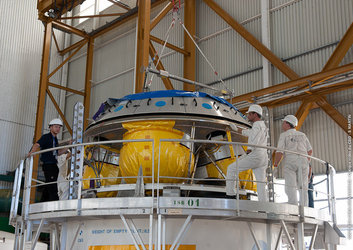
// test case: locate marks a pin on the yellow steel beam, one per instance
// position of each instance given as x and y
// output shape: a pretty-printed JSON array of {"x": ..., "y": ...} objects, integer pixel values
[
  {"x": 341, "y": 50},
  {"x": 161, "y": 14},
  {"x": 116, "y": 23},
  {"x": 68, "y": 29},
  {"x": 91, "y": 16},
  {"x": 171, "y": 46},
  {"x": 303, "y": 112},
  {"x": 67, "y": 59},
  {"x": 143, "y": 37},
  {"x": 88, "y": 79},
  {"x": 65, "y": 88},
  {"x": 322, "y": 91},
  {"x": 56, "y": 42},
  {"x": 277, "y": 62},
  {"x": 303, "y": 81},
  {"x": 59, "y": 111},
  {"x": 73, "y": 46},
  {"x": 190, "y": 59},
  {"x": 153, "y": 54},
  {"x": 333, "y": 113}
]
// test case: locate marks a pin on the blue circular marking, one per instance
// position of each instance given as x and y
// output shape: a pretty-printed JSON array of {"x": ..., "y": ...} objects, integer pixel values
[
  {"x": 206, "y": 106},
  {"x": 119, "y": 108},
  {"x": 160, "y": 103}
]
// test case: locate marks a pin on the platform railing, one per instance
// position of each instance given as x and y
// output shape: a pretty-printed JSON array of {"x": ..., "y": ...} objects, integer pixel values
[{"x": 155, "y": 184}]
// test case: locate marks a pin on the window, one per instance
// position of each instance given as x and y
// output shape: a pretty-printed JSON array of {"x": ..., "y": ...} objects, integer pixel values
[{"x": 87, "y": 8}]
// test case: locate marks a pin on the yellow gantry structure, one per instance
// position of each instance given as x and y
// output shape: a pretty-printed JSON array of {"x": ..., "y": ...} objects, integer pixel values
[{"x": 141, "y": 11}]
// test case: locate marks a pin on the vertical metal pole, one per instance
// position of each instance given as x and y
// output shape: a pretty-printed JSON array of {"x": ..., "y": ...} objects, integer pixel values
[
  {"x": 28, "y": 236},
  {"x": 150, "y": 240},
  {"x": 301, "y": 192},
  {"x": 332, "y": 194},
  {"x": 328, "y": 184},
  {"x": 192, "y": 136},
  {"x": 300, "y": 233},
  {"x": 28, "y": 182},
  {"x": 237, "y": 179},
  {"x": 52, "y": 238},
  {"x": 159, "y": 231},
  {"x": 77, "y": 154},
  {"x": 265, "y": 28},
  {"x": 163, "y": 232}
]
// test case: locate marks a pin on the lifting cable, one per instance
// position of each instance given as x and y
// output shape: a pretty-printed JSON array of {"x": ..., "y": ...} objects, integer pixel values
[
  {"x": 147, "y": 86},
  {"x": 176, "y": 15}
]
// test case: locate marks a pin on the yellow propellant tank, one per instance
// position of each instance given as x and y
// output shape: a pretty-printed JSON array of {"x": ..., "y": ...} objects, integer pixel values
[{"x": 174, "y": 157}]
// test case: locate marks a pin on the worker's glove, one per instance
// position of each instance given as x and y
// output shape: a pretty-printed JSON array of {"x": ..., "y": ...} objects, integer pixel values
[{"x": 233, "y": 127}]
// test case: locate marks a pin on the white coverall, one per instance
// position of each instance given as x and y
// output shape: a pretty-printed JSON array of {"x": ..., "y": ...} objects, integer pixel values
[
  {"x": 63, "y": 184},
  {"x": 257, "y": 160},
  {"x": 297, "y": 141}
]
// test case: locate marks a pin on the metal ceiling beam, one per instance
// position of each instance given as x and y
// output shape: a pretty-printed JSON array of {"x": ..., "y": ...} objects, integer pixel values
[
  {"x": 333, "y": 113},
  {"x": 168, "y": 45},
  {"x": 301, "y": 97},
  {"x": 68, "y": 29},
  {"x": 303, "y": 81},
  {"x": 143, "y": 39},
  {"x": 153, "y": 54},
  {"x": 73, "y": 46},
  {"x": 67, "y": 59},
  {"x": 160, "y": 15},
  {"x": 341, "y": 50},
  {"x": 91, "y": 16},
  {"x": 130, "y": 15},
  {"x": 277, "y": 62},
  {"x": 66, "y": 88},
  {"x": 189, "y": 65},
  {"x": 303, "y": 112}
]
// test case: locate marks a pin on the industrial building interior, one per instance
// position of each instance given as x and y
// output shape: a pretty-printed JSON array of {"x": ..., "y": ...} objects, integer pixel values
[{"x": 289, "y": 56}]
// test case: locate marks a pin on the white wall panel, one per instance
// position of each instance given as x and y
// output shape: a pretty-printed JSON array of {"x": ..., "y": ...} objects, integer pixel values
[{"x": 20, "y": 60}]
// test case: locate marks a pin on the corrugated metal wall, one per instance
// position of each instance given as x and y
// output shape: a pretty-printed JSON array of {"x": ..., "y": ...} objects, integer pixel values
[
  {"x": 303, "y": 33},
  {"x": 20, "y": 60}
]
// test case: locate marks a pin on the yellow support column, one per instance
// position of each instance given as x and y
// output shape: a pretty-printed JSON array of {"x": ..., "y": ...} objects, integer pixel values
[
  {"x": 190, "y": 60},
  {"x": 88, "y": 79},
  {"x": 143, "y": 38},
  {"x": 43, "y": 85}
]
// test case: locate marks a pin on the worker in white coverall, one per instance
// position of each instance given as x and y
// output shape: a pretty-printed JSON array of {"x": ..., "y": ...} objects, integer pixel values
[
  {"x": 294, "y": 165},
  {"x": 256, "y": 158}
]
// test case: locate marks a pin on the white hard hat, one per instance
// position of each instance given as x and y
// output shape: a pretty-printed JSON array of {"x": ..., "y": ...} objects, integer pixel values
[
  {"x": 291, "y": 119},
  {"x": 255, "y": 108},
  {"x": 56, "y": 121}
]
